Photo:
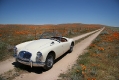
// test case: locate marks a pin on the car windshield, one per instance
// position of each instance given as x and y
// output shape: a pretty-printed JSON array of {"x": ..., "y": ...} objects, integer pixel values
[{"x": 49, "y": 35}]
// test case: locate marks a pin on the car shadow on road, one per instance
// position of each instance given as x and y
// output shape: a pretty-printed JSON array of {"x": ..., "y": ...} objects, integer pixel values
[
  {"x": 23, "y": 67},
  {"x": 37, "y": 70},
  {"x": 58, "y": 59}
]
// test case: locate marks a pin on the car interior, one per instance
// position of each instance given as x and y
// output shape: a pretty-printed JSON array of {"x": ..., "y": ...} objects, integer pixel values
[{"x": 58, "y": 38}]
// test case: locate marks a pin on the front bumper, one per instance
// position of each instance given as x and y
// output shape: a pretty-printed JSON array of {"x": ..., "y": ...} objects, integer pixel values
[{"x": 30, "y": 63}]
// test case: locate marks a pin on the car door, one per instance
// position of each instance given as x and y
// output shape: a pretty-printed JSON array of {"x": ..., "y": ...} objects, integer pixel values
[
  {"x": 66, "y": 46},
  {"x": 58, "y": 48}
]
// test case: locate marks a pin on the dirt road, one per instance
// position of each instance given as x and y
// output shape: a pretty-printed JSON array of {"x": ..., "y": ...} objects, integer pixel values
[
  {"x": 86, "y": 34},
  {"x": 63, "y": 64}
]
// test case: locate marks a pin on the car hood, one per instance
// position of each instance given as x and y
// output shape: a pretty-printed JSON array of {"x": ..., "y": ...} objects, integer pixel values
[{"x": 37, "y": 45}]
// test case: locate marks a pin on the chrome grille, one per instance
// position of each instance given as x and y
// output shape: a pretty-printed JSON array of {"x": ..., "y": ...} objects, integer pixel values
[{"x": 24, "y": 55}]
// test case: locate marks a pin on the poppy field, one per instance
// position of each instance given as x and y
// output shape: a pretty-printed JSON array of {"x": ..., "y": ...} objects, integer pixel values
[
  {"x": 11, "y": 35},
  {"x": 100, "y": 61}
]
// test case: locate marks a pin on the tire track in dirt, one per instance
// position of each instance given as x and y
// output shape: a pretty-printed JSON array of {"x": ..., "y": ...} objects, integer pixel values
[{"x": 63, "y": 64}]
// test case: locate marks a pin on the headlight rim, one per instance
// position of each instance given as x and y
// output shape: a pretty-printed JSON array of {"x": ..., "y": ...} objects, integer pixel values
[{"x": 39, "y": 56}]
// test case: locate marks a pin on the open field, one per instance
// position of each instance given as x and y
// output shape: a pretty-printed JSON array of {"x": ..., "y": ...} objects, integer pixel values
[
  {"x": 23, "y": 72},
  {"x": 100, "y": 61},
  {"x": 10, "y": 35}
]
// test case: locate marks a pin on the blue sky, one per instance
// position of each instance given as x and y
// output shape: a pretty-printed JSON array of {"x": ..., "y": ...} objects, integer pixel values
[{"x": 59, "y": 11}]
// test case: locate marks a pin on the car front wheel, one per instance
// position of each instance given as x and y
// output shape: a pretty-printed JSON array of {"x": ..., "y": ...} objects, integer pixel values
[{"x": 49, "y": 62}]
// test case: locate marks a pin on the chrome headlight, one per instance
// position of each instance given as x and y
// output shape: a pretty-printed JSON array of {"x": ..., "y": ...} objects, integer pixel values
[
  {"x": 39, "y": 54},
  {"x": 39, "y": 57}
]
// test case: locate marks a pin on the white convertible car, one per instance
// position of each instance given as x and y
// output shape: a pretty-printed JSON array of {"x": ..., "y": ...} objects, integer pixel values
[{"x": 43, "y": 52}]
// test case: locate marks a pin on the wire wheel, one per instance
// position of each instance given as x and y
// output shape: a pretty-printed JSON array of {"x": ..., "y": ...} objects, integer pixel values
[{"x": 49, "y": 62}]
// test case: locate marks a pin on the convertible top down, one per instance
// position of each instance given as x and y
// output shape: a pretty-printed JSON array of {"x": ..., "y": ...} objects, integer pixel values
[{"x": 43, "y": 52}]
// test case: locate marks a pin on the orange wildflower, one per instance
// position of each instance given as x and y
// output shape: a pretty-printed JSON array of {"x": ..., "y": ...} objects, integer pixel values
[
  {"x": 95, "y": 55},
  {"x": 77, "y": 70},
  {"x": 101, "y": 48},
  {"x": 95, "y": 64},
  {"x": 83, "y": 67},
  {"x": 21, "y": 32},
  {"x": 93, "y": 45},
  {"x": 91, "y": 79}
]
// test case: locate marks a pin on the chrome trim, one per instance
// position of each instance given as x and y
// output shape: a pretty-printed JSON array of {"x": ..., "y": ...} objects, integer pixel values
[
  {"x": 31, "y": 63},
  {"x": 39, "y": 57}
]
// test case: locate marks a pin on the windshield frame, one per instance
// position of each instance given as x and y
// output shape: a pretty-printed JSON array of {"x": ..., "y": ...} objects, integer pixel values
[{"x": 50, "y": 35}]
